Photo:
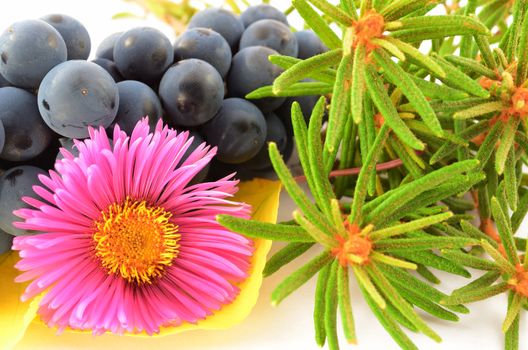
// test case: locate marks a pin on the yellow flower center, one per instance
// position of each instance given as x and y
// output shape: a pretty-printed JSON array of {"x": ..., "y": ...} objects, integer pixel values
[{"x": 135, "y": 240}]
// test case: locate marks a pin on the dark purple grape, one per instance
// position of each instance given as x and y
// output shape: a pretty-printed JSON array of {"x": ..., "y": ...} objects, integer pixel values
[
  {"x": 4, "y": 82},
  {"x": 110, "y": 67},
  {"x": 75, "y": 35},
  {"x": 309, "y": 44},
  {"x": 6, "y": 240},
  {"x": 2, "y": 136},
  {"x": 28, "y": 51},
  {"x": 272, "y": 34},
  {"x": 77, "y": 94},
  {"x": 106, "y": 47},
  {"x": 16, "y": 183},
  {"x": 221, "y": 21},
  {"x": 143, "y": 54},
  {"x": 136, "y": 101},
  {"x": 204, "y": 44},
  {"x": 262, "y": 11},
  {"x": 251, "y": 70},
  {"x": 307, "y": 104},
  {"x": 238, "y": 130},
  {"x": 191, "y": 92},
  {"x": 26, "y": 134},
  {"x": 276, "y": 132}
]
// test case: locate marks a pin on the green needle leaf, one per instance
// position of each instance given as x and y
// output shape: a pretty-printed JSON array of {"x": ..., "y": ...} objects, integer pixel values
[
  {"x": 485, "y": 108},
  {"x": 514, "y": 308},
  {"x": 317, "y": 23},
  {"x": 257, "y": 229},
  {"x": 505, "y": 232},
  {"x": 326, "y": 75},
  {"x": 333, "y": 12},
  {"x": 409, "y": 226},
  {"x": 390, "y": 114},
  {"x": 410, "y": 90},
  {"x": 485, "y": 280},
  {"x": 417, "y": 57},
  {"x": 358, "y": 84},
  {"x": 284, "y": 256},
  {"x": 300, "y": 277},
  {"x": 469, "y": 260},
  {"x": 472, "y": 65},
  {"x": 389, "y": 260},
  {"x": 295, "y": 191},
  {"x": 399, "y": 8},
  {"x": 320, "y": 305},
  {"x": 506, "y": 143},
  {"x": 511, "y": 341},
  {"x": 458, "y": 80},
  {"x": 502, "y": 263},
  {"x": 345, "y": 306},
  {"x": 366, "y": 284},
  {"x": 396, "y": 299},
  {"x": 303, "y": 69},
  {"x": 368, "y": 168},
  {"x": 339, "y": 111},
  {"x": 297, "y": 89},
  {"x": 330, "y": 317},
  {"x": 411, "y": 244},
  {"x": 319, "y": 236},
  {"x": 475, "y": 295},
  {"x": 388, "y": 322}
]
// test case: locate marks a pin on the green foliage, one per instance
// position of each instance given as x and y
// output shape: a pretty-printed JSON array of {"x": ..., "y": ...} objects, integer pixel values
[{"x": 423, "y": 141}]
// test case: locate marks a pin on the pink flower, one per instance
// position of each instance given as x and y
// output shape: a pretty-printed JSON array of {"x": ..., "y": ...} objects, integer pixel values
[{"x": 127, "y": 244}]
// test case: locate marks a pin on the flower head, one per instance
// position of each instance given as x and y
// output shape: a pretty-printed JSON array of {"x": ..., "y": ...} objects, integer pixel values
[{"x": 127, "y": 243}]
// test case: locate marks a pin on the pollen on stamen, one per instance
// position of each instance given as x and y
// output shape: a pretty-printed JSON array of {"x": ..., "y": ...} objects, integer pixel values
[
  {"x": 519, "y": 283},
  {"x": 354, "y": 249},
  {"x": 370, "y": 26},
  {"x": 135, "y": 241}
]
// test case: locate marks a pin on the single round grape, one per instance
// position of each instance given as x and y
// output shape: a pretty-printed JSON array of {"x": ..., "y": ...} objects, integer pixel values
[
  {"x": 16, "y": 183},
  {"x": 106, "y": 47},
  {"x": 221, "y": 21},
  {"x": 110, "y": 67},
  {"x": 191, "y": 92},
  {"x": 28, "y": 51},
  {"x": 6, "y": 241},
  {"x": 204, "y": 44},
  {"x": 143, "y": 54},
  {"x": 136, "y": 101},
  {"x": 77, "y": 94},
  {"x": 2, "y": 136},
  {"x": 262, "y": 11},
  {"x": 272, "y": 34},
  {"x": 238, "y": 130},
  {"x": 26, "y": 135},
  {"x": 276, "y": 132},
  {"x": 75, "y": 35},
  {"x": 309, "y": 44},
  {"x": 251, "y": 70}
]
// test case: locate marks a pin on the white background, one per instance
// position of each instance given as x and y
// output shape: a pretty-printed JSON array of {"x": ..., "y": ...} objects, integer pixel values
[{"x": 288, "y": 326}]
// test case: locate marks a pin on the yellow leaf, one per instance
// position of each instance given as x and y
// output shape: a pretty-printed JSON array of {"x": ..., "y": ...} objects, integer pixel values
[
  {"x": 263, "y": 195},
  {"x": 15, "y": 316}
]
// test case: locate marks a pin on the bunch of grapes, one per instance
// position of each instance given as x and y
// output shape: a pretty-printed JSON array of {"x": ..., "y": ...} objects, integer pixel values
[{"x": 50, "y": 93}]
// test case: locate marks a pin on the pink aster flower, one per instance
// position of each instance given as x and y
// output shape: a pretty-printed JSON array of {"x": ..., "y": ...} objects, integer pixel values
[{"x": 127, "y": 243}]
